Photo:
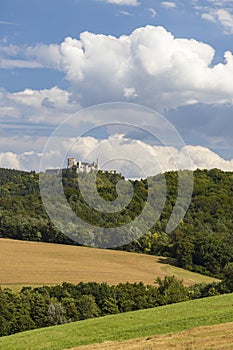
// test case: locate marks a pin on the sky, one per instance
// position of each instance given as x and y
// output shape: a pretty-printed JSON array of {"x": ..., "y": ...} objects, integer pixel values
[{"x": 58, "y": 58}]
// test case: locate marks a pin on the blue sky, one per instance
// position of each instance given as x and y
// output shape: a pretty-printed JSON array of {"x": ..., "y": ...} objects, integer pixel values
[{"x": 57, "y": 57}]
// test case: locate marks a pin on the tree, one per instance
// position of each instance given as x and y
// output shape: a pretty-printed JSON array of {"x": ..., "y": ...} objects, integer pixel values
[
  {"x": 171, "y": 290},
  {"x": 56, "y": 314},
  {"x": 228, "y": 276},
  {"x": 87, "y": 307},
  {"x": 72, "y": 312},
  {"x": 110, "y": 307}
]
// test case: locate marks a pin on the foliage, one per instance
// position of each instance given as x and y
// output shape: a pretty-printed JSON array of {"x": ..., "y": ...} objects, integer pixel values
[
  {"x": 228, "y": 276},
  {"x": 171, "y": 290},
  {"x": 45, "y": 306},
  {"x": 203, "y": 241},
  {"x": 56, "y": 314},
  {"x": 144, "y": 323}
]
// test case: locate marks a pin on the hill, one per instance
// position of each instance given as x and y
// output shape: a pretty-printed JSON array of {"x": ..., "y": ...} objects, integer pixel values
[
  {"x": 145, "y": 323},
  {"x": 32, "y": 263},
  {"x": 203, "y": 242}
]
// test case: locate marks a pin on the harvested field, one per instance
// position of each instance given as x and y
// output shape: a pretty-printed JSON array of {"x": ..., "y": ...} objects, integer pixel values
[{"x": 31, "y": 263}]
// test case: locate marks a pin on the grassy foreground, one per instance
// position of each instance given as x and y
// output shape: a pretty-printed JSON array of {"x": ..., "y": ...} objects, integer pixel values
[
  {"x": 205, "y": 338},
  {"x": 162, "y": 320},
  {"x": 31, "y": 263}
]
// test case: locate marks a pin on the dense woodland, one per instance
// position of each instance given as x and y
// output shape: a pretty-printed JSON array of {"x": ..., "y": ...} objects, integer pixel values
[
  {"x": 46, "y": 306},
  {"x": 202, "y": 242}
]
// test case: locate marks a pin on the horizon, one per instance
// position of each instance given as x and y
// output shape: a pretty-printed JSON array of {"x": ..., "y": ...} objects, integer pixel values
[{"x": 173, "y": 57}]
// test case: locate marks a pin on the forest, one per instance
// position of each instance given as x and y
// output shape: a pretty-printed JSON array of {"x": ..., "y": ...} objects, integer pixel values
[
  {"x": 202, "y": 242},
  {"x": 45, "y": 306}
]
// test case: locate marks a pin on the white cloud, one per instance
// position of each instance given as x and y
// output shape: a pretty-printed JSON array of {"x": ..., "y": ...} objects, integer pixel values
[
  {"x": 209, "y": 17},
  {"x": 203, "y": 158},
  {"x": 130, "y": 93},
  {"x": 38, "y": 56},
  {"x": 163, "y": 71},
  {"x": 136, "y": 154},
  {"x": 24, "y": 161},
  {"x": 133, "y": 158},
  {"x": 126, "y": 13},
  {"x": 48, "y": 106},
  {"x": 220, "y": 12},
  {"x": 10, "y": 160},
  {"x": 22, "y": 143},
  {"x": 222, "y": 16},
  {"x": 48, "y": 55},
  {"x": 123, "y": 2},
  {"x": 153, "y": 12},
  {"x": 220, "y": 3},
  {"x": 168, "y": 4},
  {"x": 225, "y": 17},
  {"x": 11, "y": 64},
  {"x": 8, "y": 23}
]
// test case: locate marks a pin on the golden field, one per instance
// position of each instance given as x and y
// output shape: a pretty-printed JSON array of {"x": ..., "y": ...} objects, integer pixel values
[{"x": 31, "y": 263}]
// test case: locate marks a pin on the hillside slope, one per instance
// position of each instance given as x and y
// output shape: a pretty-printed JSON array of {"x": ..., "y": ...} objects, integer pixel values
[
  {"x": 203, "y": 242},
  {"x": 209, "y": 337},
  {"x": 145, "y": 323},
  {"x": 32, "y": 263}
]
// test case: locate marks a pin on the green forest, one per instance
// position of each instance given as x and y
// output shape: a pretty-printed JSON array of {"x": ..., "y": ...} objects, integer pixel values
[
  {"x": 45, "y": 306},
  {"x": 202, "y": 242}
]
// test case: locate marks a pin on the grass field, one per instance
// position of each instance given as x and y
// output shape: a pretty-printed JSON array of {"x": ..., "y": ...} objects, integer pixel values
[
  {"x": 138, "y": 324},
  {"x": 31, "y": 263},
  {"x": 205, "y": 338}
]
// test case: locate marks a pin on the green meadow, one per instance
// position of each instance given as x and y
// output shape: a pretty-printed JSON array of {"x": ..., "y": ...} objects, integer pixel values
[{"x": 161, "y": 320}]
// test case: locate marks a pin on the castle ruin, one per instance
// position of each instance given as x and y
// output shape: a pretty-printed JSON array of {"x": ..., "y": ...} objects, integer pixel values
[{"x": 82, "y": 167}]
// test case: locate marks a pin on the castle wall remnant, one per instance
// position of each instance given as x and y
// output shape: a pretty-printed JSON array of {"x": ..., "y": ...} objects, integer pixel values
[
  {"x": 71, "y": 162},
  {"x": 82, "y": 167}
]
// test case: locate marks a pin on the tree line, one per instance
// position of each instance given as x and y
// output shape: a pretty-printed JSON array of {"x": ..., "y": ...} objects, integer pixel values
[{"x": 45, "y": 306}]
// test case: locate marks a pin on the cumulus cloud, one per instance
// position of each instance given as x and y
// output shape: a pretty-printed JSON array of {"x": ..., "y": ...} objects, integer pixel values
[
  {"x": 47, "y": 55},
  {"x": 133, "y": 158},
  {"x": 203, "y": 158},
  {"x": 49, "y": 106},
  {"x": 165, "y": 71},
  {"x": 39, "y": 56},
  {"x": 24, "y": 161},
  {"x": 10, "y": 160},
  {"x": 160, "y": 70}
]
